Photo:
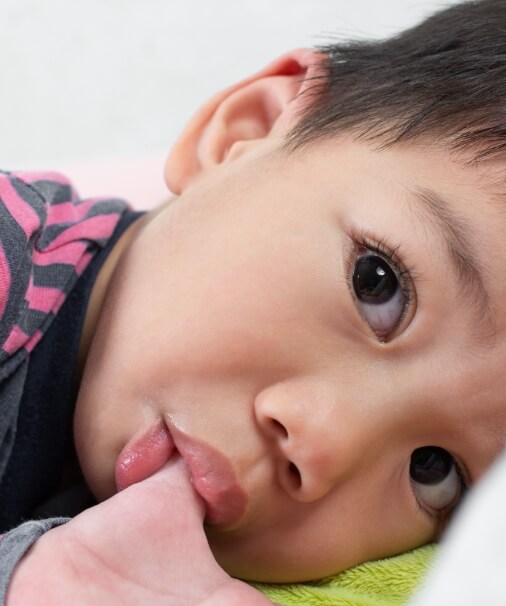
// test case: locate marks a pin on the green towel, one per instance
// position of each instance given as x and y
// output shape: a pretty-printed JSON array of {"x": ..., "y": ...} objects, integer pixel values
[{"x": 389, "y": 582}]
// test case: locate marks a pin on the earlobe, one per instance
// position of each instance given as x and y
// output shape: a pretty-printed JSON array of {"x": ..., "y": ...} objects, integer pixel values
[{"x": 265, "y": 105}]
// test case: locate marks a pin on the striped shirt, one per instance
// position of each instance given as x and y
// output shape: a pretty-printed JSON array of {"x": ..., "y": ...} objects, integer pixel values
[{"x": 48, "y": 236}]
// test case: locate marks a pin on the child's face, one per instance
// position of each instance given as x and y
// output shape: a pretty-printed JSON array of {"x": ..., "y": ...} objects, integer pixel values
[{"x": 235, "y": 319}]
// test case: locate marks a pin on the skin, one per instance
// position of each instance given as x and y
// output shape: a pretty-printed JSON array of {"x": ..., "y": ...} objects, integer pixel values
[{"x": 230, "y": 313}]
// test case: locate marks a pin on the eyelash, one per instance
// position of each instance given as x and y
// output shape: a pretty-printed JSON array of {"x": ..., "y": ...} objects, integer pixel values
[
  {"x": 405, "y": 275},
  {"x": 442, "y": 517}
]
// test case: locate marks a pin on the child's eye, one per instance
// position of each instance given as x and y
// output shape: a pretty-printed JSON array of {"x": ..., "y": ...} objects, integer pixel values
[
  {"x": 436, "y": 478},
  {"x": 381, "y": 291}
]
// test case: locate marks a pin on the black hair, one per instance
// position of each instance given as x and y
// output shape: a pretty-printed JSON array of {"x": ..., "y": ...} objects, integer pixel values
[{"x": 444, "y": 79}]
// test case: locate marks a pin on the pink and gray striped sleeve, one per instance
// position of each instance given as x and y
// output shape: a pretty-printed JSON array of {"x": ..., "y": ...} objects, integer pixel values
[{"x": 48, "y": 236}]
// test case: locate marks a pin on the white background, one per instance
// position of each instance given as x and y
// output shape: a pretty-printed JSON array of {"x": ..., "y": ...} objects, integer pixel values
[{"x": 101, "y": 79}]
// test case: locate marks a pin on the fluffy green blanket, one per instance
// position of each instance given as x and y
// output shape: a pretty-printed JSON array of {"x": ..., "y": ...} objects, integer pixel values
[{"x": 389, "y": 582}]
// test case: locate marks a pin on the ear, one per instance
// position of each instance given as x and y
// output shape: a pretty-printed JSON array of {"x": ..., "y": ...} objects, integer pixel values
[{"x": 264, "y": 105}]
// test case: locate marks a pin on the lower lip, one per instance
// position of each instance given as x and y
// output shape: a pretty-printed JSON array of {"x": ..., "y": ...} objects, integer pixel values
[
  {"x": 212, "y": 475},
  {"x": 144, "y": 455},
  {"x": 213, "y": 478}
]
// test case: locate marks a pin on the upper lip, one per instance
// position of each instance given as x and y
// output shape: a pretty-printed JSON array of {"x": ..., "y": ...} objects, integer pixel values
[{"x": 212, "y": 477}]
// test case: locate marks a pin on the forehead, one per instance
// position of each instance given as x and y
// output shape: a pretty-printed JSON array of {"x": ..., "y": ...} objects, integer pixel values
[{"x": 442, "y": 193}]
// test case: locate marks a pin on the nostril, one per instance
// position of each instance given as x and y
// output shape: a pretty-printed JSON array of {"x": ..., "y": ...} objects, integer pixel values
[
  {"x": 278, "y": 429},
  {"x": 294, "y": 475}
]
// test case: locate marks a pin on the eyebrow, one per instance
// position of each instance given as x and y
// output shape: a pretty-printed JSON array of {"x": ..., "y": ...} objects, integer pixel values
[{"x": 458, "y": 236}]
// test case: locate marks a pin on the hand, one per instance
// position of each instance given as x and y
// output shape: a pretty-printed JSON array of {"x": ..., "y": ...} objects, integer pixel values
[{"x": 144, "y": 546}]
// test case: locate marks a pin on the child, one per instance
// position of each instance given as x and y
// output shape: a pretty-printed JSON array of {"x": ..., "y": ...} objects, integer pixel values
[{"x": 314, "y": 326}]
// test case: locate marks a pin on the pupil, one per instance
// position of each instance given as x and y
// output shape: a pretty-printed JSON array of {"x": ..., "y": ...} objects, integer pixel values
[
  {"x": 430, "y": 465},
  {"x": 374, "y": 280}
]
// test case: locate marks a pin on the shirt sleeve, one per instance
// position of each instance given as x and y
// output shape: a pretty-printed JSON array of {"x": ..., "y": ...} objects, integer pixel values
[
  {"x": 48, "y": 236},
  {"x": 14, "y": 545}
]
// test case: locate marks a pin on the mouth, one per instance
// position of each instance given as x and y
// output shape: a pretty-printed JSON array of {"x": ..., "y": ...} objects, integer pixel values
[{"x": 212, "y": 475}]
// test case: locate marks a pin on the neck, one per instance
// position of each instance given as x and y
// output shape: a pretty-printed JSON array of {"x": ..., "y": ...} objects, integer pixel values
[{"x": 101, "y": 285}]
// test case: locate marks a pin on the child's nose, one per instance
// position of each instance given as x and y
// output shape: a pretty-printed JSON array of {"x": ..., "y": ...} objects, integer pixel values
[{"x": 313, "y": 448}]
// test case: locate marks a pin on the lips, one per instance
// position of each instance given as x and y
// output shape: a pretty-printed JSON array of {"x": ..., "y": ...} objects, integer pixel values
[{"x": 211, "y": 473}]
